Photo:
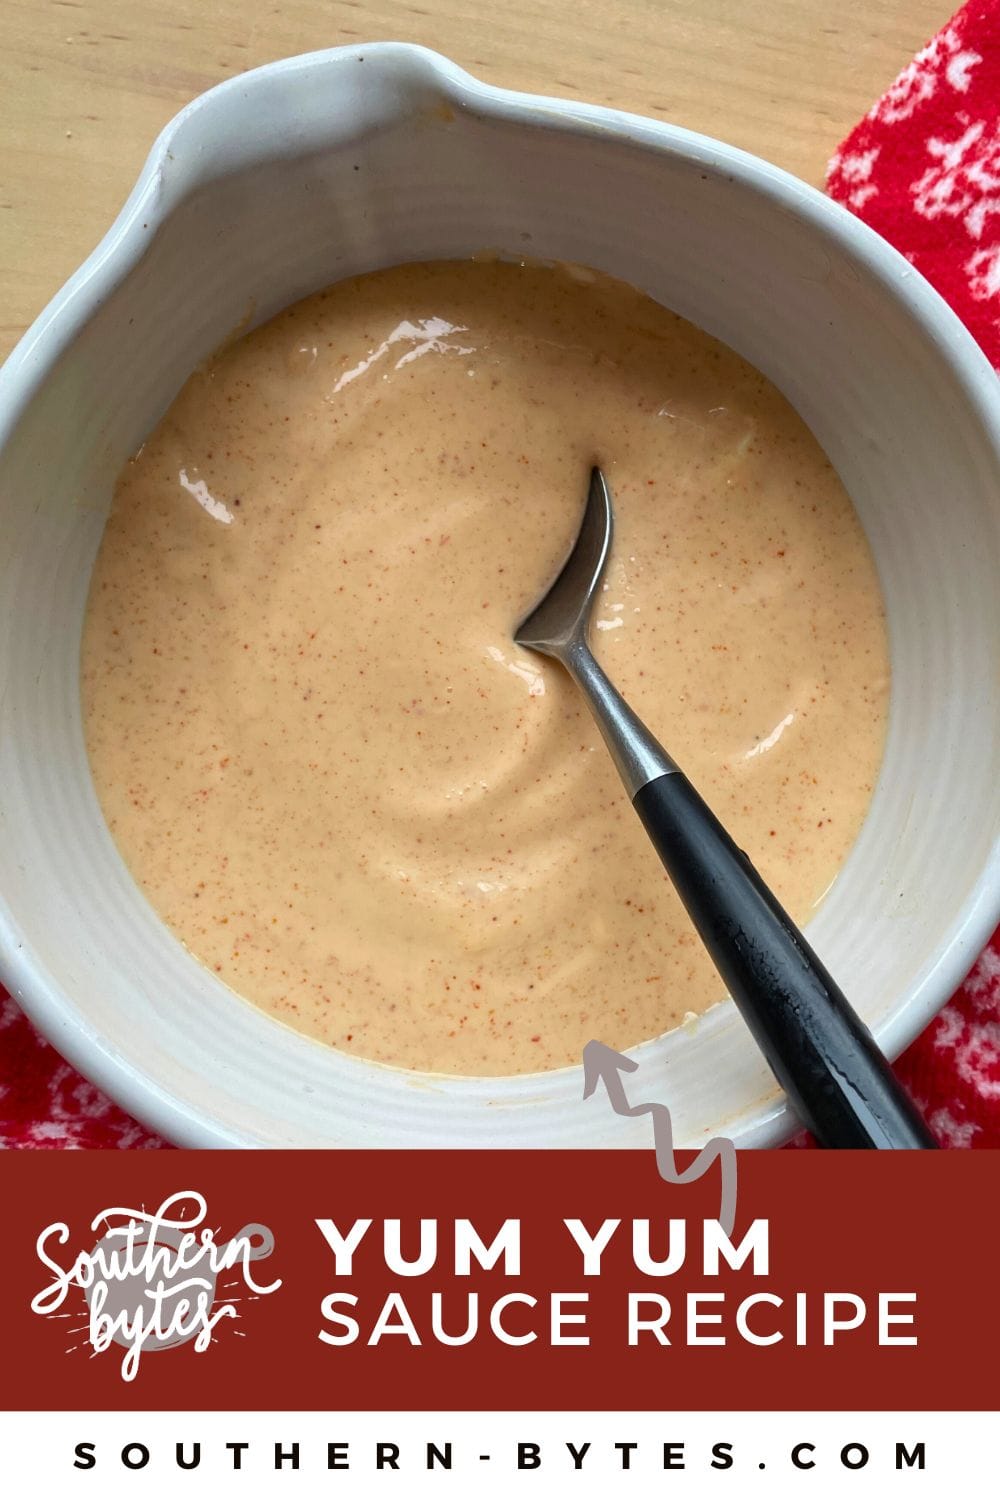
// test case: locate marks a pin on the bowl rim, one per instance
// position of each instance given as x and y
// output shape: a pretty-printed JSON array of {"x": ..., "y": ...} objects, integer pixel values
[{"x": 165, "y": 180}]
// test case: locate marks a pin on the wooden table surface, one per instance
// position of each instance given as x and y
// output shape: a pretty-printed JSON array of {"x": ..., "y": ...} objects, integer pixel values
[{"x": 87, "y": 84}]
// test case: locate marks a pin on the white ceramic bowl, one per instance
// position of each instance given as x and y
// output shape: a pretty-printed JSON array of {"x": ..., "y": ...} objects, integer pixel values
[{"x": 309, "y": 170}]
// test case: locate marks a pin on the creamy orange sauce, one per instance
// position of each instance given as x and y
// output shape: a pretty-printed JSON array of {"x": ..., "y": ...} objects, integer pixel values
[{"x": 317, "y": 747}]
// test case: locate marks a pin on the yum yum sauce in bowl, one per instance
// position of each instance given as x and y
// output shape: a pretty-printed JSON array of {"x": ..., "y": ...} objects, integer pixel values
[
  {"x": 318, "y": 749},
  {"x": 431, "y": 777}
]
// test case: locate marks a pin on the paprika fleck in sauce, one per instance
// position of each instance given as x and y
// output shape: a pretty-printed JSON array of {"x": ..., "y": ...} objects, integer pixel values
[{"x": 318, "y": 749}]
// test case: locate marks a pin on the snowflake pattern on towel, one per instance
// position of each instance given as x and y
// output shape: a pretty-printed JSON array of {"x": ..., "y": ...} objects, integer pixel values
[
  {"x": 945, "y": 63},
  {"x": 923, "y": 168},
  {"x": 963, "y": 180},
  {"x": 953, "y": 1069},
  {"x": 46, "y": 1104}
]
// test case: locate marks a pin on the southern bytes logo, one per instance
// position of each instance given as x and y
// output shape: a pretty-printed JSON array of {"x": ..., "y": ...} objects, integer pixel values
[{"x": 154, "y": 1280}]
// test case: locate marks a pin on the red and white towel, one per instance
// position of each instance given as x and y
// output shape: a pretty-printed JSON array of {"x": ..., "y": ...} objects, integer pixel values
[{"x": 923, "y": 168}]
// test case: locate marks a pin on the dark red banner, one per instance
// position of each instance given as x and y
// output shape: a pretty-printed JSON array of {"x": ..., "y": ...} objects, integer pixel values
[{"x": 859, "y": 1253}]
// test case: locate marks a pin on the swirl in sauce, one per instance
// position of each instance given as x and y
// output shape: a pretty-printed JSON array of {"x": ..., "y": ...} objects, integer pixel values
[{"x": 319, "y": 750}]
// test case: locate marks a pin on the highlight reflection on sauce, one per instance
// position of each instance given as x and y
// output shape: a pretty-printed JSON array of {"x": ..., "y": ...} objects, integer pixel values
[{"x": 316, "y": 744}]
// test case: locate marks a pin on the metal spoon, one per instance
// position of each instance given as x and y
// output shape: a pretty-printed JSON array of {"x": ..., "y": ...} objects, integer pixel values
[{"x": 825, "y": 1059}]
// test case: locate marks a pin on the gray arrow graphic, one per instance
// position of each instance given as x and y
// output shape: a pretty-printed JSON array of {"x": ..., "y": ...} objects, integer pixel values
[{"x": 602, "y": 1064}]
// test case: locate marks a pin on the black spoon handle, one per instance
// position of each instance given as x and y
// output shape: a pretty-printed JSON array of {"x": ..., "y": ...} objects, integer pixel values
[{"x": 825, "y": 1059}]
